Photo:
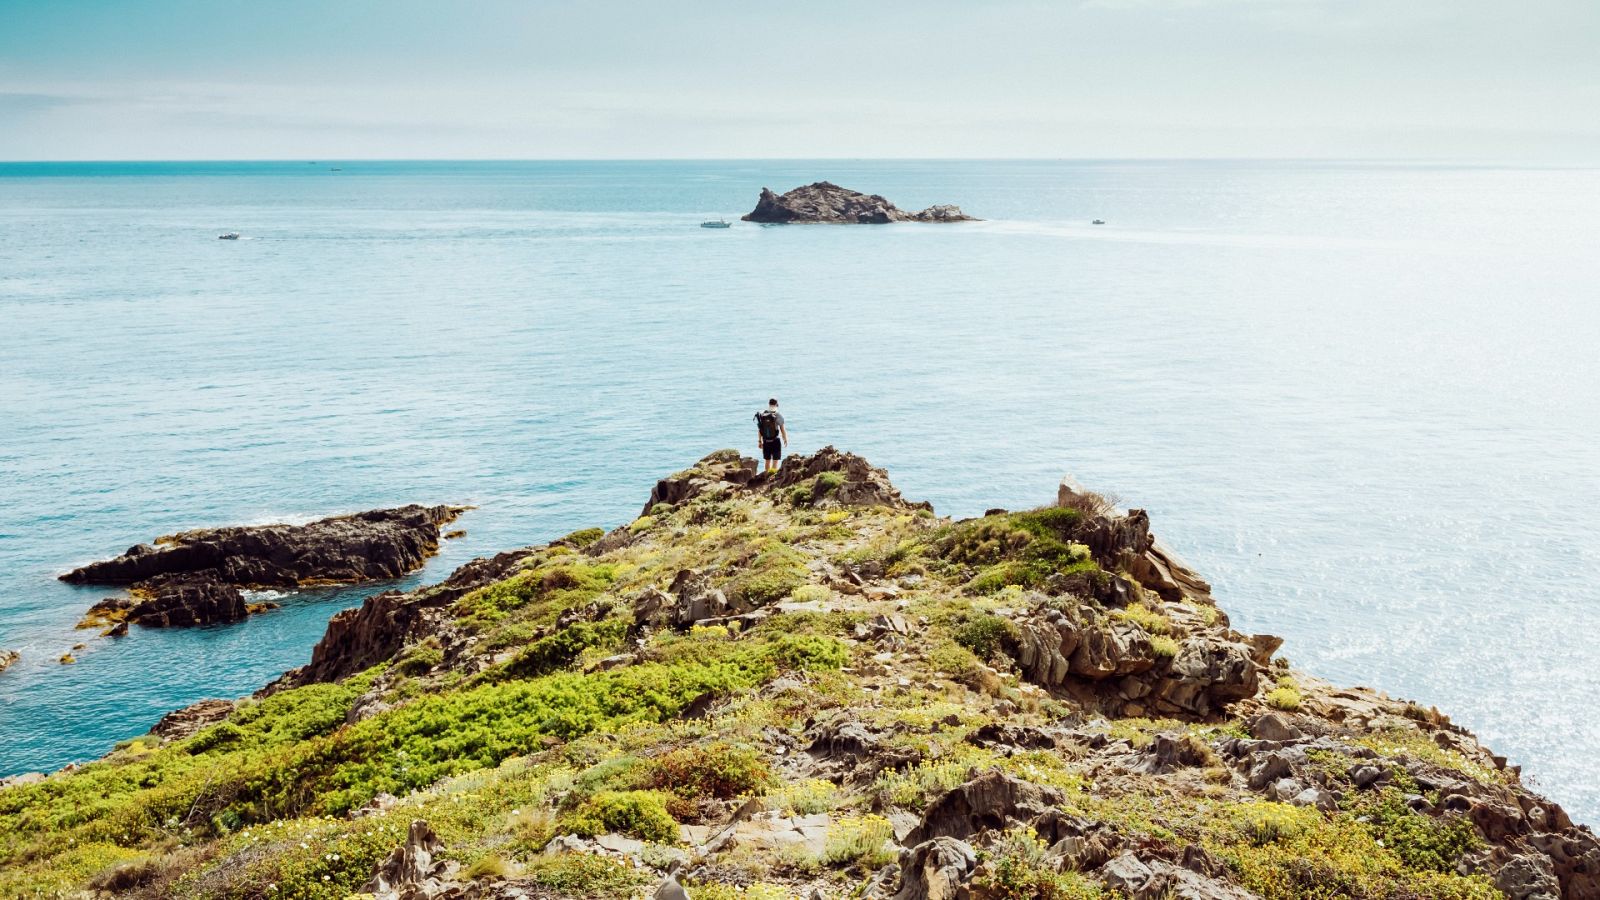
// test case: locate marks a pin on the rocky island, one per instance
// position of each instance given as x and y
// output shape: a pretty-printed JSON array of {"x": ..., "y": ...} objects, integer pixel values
[
  {"x": 806, "y": 686},
  {"x": 196, "y": 577},
  {"x": 826, "y": 202}
]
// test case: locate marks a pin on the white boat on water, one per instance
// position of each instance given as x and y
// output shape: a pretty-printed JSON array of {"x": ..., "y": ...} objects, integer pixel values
[
  {"x": 717, "y": 224},
  {"x": 230, "y": 236}
]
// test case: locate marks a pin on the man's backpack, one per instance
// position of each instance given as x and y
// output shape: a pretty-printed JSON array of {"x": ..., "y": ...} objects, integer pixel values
[{"x": 767, "y": 421}]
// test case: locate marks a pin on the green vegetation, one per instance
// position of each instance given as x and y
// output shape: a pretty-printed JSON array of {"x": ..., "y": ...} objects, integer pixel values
[
  {"x": 583, "y": 875},
  {"x": 550, "y": 589},
  {"x": 1017, "y": 869},
  {"x": 865, "y": 840},
  {"x": 804, "y": 798},
  {"x": 1421, "y": 842},
  {"x": 1285, "y": 696},
  {"x": 1149, "y": 619},
  {"x": 1022, "y": 549},
  {"x": 1164, "y": 647},
  {"x": 1281, "y": 852},
  {"x": 642, "y": 814},
  {"x": 420, "y": 660},
  {"x": 561, "y": 649},
  {"x": 542, "y": 708},
  {"x": 581, "y": 538},
  {"x": 719, "y": 771},
  {"x": 984, "y": 634}
]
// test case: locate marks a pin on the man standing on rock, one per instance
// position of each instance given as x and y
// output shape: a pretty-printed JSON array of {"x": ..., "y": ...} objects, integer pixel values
[{"x": 772, "y": 434}]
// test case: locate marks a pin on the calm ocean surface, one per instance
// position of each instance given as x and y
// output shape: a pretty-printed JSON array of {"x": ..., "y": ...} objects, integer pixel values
[{"x": 1363, "y": 399}]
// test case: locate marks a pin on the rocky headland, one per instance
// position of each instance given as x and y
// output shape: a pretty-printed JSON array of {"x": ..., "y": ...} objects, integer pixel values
[
  {"x": 826, "y": 202},
  {"x": 198, "y": 577},
  {"x": 804, "y": 686}
]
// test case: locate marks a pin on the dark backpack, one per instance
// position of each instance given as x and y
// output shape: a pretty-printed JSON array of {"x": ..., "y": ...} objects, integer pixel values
[{"x": 767, "y": 421}]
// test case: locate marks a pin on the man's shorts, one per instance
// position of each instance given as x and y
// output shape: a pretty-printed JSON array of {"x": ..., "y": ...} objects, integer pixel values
[{"x": 772, "y": 449}]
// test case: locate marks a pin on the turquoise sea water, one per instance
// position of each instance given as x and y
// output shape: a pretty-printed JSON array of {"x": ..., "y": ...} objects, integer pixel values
[{"x": 1361, "y": 398}]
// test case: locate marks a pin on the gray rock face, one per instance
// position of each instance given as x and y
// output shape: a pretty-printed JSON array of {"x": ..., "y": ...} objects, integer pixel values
[
  {"x": 825, "y": 201},
  {"x": 992, "y": 801},
  {"x": 935, "y": 869},
  {"x": 412, "y": 868}
]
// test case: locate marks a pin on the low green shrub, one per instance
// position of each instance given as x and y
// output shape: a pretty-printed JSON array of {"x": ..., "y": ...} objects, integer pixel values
[
  {"x": 984, "y": 634},
  {"x": 1421, "y": 842},
  {"x": 420, "y": 660},
  {"x": 866, "y": 840},
  {"x": 1017, "y": 867},
  {"x": 720, "y": 771},
  {"x": 559, "y": 650},
  {"x": 642, "y": 814},
  {"x": 587, "y": 875},
  {"x": 581, "y": 538},
  {"x": 1281, "y": 852}
]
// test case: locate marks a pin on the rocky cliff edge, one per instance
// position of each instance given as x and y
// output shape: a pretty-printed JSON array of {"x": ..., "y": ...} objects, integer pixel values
[{"x": 802, "y": 685}]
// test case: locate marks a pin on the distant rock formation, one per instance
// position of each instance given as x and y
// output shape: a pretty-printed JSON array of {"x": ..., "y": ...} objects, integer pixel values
[
  {"x": 195, "y": 578},
  {"x": 827, "y": 202}
]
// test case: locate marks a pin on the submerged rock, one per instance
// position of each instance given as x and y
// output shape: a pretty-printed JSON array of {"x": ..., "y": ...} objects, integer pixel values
[{"x": 825, "y": 201}]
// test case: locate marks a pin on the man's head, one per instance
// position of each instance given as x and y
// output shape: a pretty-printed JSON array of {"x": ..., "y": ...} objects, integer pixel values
[{"x": 773, "y": 403}]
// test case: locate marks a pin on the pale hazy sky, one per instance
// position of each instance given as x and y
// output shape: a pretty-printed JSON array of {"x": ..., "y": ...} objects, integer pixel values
[{"x": 1514, "y": 80}]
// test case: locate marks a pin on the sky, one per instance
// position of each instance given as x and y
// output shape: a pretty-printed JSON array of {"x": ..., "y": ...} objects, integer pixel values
[{"x": 1492, "y": 80}]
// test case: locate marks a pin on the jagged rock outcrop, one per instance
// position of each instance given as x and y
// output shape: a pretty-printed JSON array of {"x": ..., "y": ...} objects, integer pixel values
[
  {"x": 194, "y": 578},
  {"x": 993, "y": 801},
  {"x": 827, "y": 202},
  {"x": 367, "y": 546},
  {"x": 936, "y": 869},
  {"x": 172, "y": 601},
  {"x": 7, "y": 658},
  {"x": 182, "y": 723},
  {"x": 847, "y": 480},
  {"x": 413, "y": 871},
  {"x": 359, "y": 638}
]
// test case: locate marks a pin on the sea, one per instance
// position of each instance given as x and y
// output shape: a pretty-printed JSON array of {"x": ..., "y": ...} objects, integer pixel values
[{"x": 1361, "y": 397}]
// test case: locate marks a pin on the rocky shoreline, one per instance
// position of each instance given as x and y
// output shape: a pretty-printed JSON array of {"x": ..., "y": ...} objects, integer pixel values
[
  {"x": 803, "y": 685},
  {"x": 198, "y": 577},
  {"x": 826, "y": 202}
]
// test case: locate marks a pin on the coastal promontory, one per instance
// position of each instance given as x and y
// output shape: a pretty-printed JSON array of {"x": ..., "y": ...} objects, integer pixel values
[
  {"x": 802, "y": 685},
  {"x": 826, "y": 202}
]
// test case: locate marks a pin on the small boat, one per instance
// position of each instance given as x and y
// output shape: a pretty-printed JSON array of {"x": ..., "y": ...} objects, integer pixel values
[
  {"x": 230, "y": 236},
  {"x": 717, "y": 224},
  {"x": 1098, "y": 222}
]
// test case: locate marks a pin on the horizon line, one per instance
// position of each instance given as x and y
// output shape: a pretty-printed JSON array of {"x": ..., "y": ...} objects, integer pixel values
[{"x": 308, "y": 160}]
